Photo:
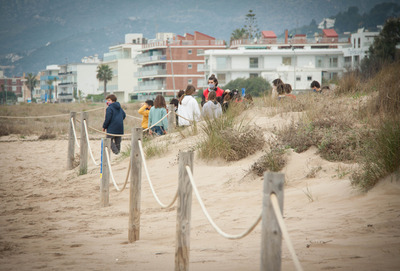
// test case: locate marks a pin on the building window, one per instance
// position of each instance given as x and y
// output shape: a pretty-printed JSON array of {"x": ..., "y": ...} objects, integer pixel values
[
  {"x": 200, "y": 51},
  {"x": 14, "y": 88},
  {"x": 359, "y": 42},
  {"x": 253, "y": 75},
  {"x": 189, "y": 51},
  {"x": 221, "y": 78},
  {"x": 356, "y": 59},
  {"x": 253, "y": 62},
  {"x": 354, "y": 41},
  {"x": 298, "y": 78},
  {"x": 287, "y": 61},
  {"x": 319, "y": 62},
  {"x": 333, "y": 62},
  {"x": 190, "y": 81},
  {"x": 333, "y": 75},
  {"x": 309, "y": 78},
  {"x": 190, "y": 66}
]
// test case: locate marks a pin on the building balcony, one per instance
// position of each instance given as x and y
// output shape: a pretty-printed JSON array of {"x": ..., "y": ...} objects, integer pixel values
[
  {"x": 165, "y": 44},
  {"x": 108, "y": 57},
  {"x": 150, "y": 85},
  {"x": 154, "y": 72},
  {"x": 281, "y": 42},
  {"x": 143, "y": 59},
  {"x": 203, "y": 67}
]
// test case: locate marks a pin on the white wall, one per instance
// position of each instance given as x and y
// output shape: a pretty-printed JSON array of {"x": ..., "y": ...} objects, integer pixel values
[{"x": 86, "y": 79}]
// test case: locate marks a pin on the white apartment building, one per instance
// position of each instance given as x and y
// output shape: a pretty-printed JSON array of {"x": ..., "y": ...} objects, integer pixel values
[
  {"x": 120, "y": 60},
  {"x": 297, "y": 61},
  {"x": 360, "y": 43},
  {"x": 79, "y": 78}
]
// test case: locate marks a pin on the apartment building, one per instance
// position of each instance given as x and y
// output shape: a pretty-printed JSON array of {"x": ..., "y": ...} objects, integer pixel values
[
  {"x": 120, "y": 60},
  {"x": 78, "y": 79},
  {"x": 171, "y": 62},
  {"x": 360, "y": 43},
  {"x": 48, "y": 83}
]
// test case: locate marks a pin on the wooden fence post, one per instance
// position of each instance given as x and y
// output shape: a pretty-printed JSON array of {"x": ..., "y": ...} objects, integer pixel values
[
  {"x": 184, "y": 213},
  {"x": 135, "y": 187},
  {"x": 105, "y": 177},
  {"x": 171, "y": 118},
  {"x": 271, "y": 234},
  {"x": 71, "y": 141},
  {"x": 84, "y": 145}
]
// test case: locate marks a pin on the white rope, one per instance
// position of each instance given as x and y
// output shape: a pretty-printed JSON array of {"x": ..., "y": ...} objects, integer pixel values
[
  {"x": 73, "y": 129},
  {"x": 40, "y": 117},
  {"x": 134, "y": 117},
  {"x": 109, "y": 168},
  {"x": 157, "y": 122},
  {"x": 88, "y": 143},
  {"x": 222, "y": 233},
  {"x": 150, "y": 183},
  {"x": 278, "y": 214},
  {"x": 33, "y": 117}
]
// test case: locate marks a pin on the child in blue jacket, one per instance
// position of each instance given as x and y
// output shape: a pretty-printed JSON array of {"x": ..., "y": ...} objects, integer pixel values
[{"x": 114, "y": 122}]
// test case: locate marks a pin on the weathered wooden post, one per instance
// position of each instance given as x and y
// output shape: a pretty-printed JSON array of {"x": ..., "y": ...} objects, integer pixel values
[
  {"x": 84, "y": 144},
  {"x": 135, "y": 187},
  {"x": 71, "y": 141},
  {"x": 171, "y": 118},
  {"x": 105, "y": 177},
  {"x": 271, "y": 235},
  {"x": 184, "y": 213}
]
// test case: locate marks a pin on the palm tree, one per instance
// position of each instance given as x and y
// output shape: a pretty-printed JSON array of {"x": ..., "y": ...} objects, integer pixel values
[
  {"x": 31, "y": 83},
  {"x": 50, "y": 84},
  {"x": 104, "y": 73}
]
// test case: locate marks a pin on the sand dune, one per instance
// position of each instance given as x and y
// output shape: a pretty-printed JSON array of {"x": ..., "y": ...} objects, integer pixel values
[{"x": 51, "y": 218}]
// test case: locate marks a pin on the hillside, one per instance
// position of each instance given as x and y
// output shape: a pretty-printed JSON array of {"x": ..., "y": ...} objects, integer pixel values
[{"x": 37, "y": 33}]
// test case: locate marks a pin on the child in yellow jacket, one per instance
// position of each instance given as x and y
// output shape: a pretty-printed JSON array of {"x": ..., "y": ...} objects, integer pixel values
[{"x": 144, "y": 111}]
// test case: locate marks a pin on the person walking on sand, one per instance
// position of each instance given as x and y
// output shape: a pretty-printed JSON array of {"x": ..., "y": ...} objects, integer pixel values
[
  {"x": 114, "y": 122},
  {"x": 144, "y": 111},
  {"x": 158, "y": 112},
  {"x": 188, "y": 107}
]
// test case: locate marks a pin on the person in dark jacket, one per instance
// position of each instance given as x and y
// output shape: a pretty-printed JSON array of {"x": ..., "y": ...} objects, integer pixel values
[{"x": 114, "y": 122}]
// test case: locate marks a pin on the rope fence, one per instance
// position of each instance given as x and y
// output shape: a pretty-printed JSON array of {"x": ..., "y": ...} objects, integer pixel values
[
  {"x": 50, "y": 116},
  {"x": 164, "y": 206},
  {"x": 213, "y": 224},
  {"x": 183, "y": 196},
  {"x": 73, "y": 129},
  {"x": 286, "y": 237}
]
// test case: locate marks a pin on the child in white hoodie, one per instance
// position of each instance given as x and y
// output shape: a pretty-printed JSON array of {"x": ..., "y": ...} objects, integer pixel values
[
  {"x": 188, "y": 107},
  {"x": 212, "y": 109}
]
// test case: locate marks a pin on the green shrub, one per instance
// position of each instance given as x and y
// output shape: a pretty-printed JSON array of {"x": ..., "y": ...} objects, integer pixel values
[
  {"x": 229, "y": 139},
  {"x": 380, "y": 155},
  {"x": 274, "y": 161}
]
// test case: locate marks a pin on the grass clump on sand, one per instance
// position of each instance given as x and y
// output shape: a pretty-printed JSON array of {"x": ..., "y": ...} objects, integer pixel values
[
  {"x": 380, "y": 156},
  {"x": 229, "y": 138},
  {"x": 274, "y": 160}
]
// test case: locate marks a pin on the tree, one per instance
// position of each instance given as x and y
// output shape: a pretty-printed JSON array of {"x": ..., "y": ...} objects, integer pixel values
[
  {"x": 383, "y": 50},
  {"x": 104, "y": 73},
  {"x": 256, "y": 86},
  {"x": 251, "y": 26},
  {"x": 31, "y": 83},
  {"x": 238, "y": 34}
]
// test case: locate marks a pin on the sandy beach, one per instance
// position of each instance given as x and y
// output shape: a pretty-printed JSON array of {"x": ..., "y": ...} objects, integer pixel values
[{"x": 51, "y": 217}]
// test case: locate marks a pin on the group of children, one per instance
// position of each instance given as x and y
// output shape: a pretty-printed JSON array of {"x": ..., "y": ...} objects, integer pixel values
[
  {"x": 281, "y": 90},
  {"x": 215, "y": 101}
]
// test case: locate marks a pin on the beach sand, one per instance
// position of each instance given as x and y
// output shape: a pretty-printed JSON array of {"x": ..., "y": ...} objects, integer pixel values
[{"x": 51, "y": 217}]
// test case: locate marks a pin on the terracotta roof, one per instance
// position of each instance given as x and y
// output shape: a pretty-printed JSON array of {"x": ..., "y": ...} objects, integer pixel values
[
  {"x": 268, "y": 34},
  {"x": 300, "y": 35},
  {"x": 330, "y": 33}
]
